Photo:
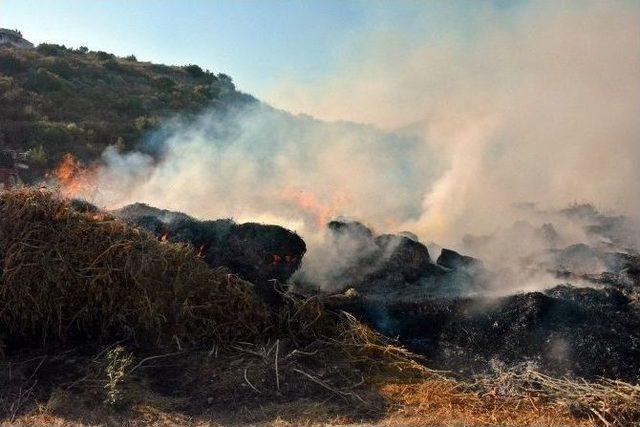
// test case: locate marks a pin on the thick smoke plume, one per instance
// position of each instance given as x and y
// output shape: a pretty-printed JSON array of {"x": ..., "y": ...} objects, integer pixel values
[
  {"x": 257, "y": 163},
  {"x": 534, "y": 103}
]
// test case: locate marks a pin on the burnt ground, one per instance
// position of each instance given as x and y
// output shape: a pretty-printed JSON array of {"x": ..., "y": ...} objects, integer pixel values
[{"x": 582, "y": 332}]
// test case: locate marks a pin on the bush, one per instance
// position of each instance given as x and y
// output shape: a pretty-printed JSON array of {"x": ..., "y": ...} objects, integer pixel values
[
  {"x": 164, "y": 83},
  {"x": 51, "y": 49},
  {"x": 112, "y": 64},
  {"x": 194, "y": 71},
  {"x": 9, "y": 63},
  {"x": 104, "y": 56},
  {"x": 143, "y": 124},
  {"x": 43, "y": 80},
  {"x": 38, "y": 156},
  {"x": 52, "y": 133},
  {"x": 5, "y": 83},
  {"x": 203, "y": 93},
  {"x": 131, "y": 106},
  {"x": 61, "y": 67}
]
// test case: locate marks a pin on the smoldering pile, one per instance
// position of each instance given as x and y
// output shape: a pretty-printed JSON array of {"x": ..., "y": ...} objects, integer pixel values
[
  {"x": 447, "y": 309},
  {"x": 584, "y": 322},
  {"x": 265, "y": 255}
]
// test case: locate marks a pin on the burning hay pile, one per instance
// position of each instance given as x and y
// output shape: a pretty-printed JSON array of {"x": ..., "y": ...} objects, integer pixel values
[
  {"x": 67, "y": 275},
  {"x": 258, "y": 253}
]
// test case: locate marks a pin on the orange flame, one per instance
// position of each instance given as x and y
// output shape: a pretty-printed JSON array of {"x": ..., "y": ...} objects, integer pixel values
[
  {"x": 307, "y": 202},
  {"x": 73, "y": 177}
]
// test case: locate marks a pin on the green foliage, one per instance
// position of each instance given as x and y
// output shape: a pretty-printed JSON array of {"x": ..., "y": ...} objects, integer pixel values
[
  {"x": 145, "y": 123},
  {"x": 131, "y": 105},
  {"x": 9, "y": 63},
  {"x": 205, "y": 93},
  {"x": 42, "y": 80},
  {"x": 118, "y": 363},
  {"x": 79, "y": 101},
  {"x": 112, "y": 64},
  {"x": 60, "y": 67},
  {"x": 5, "y": 83},
  {"x": 120, "y": 144},
  {"x": 194, "y": 71},
  {"x": 51, "y": 49},
  {"x": 164, "y": 83},
  {"x": 104, "y": 56},
  {"x": 38, "y": 156},
  {"x": 53, "y": 133}
]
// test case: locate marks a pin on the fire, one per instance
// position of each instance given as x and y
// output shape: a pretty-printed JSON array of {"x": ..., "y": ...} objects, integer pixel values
[
  {"x": 73, "y": 177},
  {"x": 308, "y": 203},
  {"x": 164, "y": 237}
]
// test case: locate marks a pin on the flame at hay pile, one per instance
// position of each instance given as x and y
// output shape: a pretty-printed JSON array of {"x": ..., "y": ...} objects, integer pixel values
[{"x": 73, "y": 177}]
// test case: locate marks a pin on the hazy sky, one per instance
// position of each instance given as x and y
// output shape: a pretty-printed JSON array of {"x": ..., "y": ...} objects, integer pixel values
[{"x": 260, "y": 43}]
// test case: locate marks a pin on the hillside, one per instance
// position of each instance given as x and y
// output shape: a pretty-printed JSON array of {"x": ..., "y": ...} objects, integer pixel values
[{"x": 56, "y": 100}]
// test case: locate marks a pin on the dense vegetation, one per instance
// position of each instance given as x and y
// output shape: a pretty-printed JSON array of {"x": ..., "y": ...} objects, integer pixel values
[{"x": 56, "y": 100}]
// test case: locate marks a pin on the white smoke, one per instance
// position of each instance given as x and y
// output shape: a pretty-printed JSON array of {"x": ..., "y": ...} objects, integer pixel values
[
  {"x": 538, "y": 102},
  {"x": 539, "y": 106},
  {"x": 260, "y": 164}
]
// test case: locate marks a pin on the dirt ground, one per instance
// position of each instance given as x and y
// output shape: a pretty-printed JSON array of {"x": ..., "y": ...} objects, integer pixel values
[{"x": 191, "y": 392}]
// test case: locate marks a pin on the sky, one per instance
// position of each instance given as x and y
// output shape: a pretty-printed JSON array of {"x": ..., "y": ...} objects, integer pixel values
[{"x": 262, "y": 44}]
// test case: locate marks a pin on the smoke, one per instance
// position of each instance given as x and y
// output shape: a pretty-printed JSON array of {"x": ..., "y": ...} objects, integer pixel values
[
  {"x": 534, "y": 102},
  {"x": 538, "y": 102},
  {"x": 256, "y": 163}
]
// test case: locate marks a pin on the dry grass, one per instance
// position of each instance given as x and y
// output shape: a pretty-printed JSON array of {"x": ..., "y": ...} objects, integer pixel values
[
  {"x": 68, "y": 274},
  {"x": 608, "y": 402},
  {"x": 447, "y": 403}
]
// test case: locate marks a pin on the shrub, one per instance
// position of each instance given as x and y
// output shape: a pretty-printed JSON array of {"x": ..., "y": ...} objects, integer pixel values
[
  {"x": 131, "y": 105},
  {"x": 164, "y": 83},
  {"x": 118, "y": 363},
  {"x": 51, "y": 49},
  {"x": 194, "y": 70},
  {"x": 143, "y": 124},
  {"x": 9, "y": 63},
  {"x": 104, "y": 56},
  {"x": 61, "y": 67},
  {"x": 204, "y": 93},
  {"x": 5, "y": 83},
  {"x": 43, "y": 80},
  {"x": 38, "y": 156}
]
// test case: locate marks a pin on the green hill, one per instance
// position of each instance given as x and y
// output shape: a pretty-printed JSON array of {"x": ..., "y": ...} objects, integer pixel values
[{"x": 56, "y": 100}]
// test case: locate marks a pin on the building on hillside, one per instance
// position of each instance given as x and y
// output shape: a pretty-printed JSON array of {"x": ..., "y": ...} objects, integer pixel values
[{"x": 13, "y": 38}]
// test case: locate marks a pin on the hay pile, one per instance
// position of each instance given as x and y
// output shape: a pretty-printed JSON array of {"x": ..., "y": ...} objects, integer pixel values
[{"x": 67, "y": 275}]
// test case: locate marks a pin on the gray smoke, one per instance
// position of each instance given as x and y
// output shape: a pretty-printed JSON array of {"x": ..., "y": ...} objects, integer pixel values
[{"x": 538, "y": 106}]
